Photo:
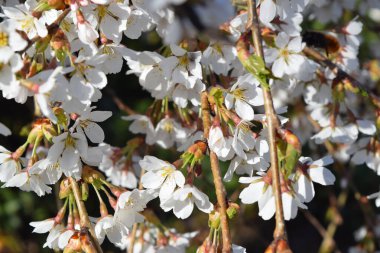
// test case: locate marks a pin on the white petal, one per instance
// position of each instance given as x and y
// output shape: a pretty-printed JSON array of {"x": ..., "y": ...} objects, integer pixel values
[
  {"x": 64, "y": 238},
  {"x": 360, "y": 157},
  {"x": 305, "y": 188},
  {"x": 42, "y": 227},
  {"x": 366, "y": 127},
  {"x": 252, "y": 193},
  {"x": 244, "y": 110},
  {"x": 4, "y": 130},
  {"x": 151, "y": 180},
  {"x": 183, "y": 209},
  {"x": 322, "y": 176},
  {"x": 94, "y": 132},
  {"x": 267, "y": 11}
]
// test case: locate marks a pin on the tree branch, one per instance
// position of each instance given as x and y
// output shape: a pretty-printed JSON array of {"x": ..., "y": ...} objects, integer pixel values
[
  {"x": 219, "y": 187},
  {"x": 84, "y": 219},
  {"x": 119, "y": 103},
  {"x": 352, "y": 84},
  {"x": 272, "y": 124}
]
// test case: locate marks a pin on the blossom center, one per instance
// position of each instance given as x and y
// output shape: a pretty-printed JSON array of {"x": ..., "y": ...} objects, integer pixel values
[
  {"x": 183, "y": 60},
  {"x": 69, "y": 141},
  {"x": 284, "y": 52},
  {"x": 168, "y": 127},
  {"x": 102, "y": 11},
  {"x": 27, "y": 24},
  {"x": 3, "y": 39},
  {"x": 108, "y": 50},
  {"x": 166, "y": 171},
  {"x": 239, "y": 94}
]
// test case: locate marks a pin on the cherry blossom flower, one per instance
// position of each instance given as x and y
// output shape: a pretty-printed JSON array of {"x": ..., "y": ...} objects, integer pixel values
[
  {"x": 10, "y": 40},
  {"x": 138, "y": 21},
  {"x": 113, "y": 18},
  {"x": 286, "y": 57},
  {"x": 161, "y": 175},
  {"x": 312, "y": 171},
  {"x": 244, "y": 93},
  {"x": 142, "y": 125},
  {"x": 87, "y": 121},
  {"x": 219, "y": 57},
  {"x": 67, "y": 151},
  {"x": 32, "y": 179},
  {"x": 50, "y": 226},
  {"x": 219, "y": 144},
  {"x": 25, "y": 21},
  {"x": 183, "y": 199},
  {"x": 168, "y": 132},
  {"x": 9, "y": 166},
  {"x": 183, "y": 67},
  {"x": 118, "y": 170}
]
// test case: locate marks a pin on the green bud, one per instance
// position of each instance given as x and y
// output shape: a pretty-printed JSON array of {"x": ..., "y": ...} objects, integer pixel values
[
  {"x": 84, "y": 190},
  {"x": 64, "y": 189},
  {"x": 49, "y": 132}
]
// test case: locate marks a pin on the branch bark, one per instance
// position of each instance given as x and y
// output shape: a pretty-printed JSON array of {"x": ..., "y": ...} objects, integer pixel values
[
  {"x": 272, "y": 123},
  {"x": 219, "y": 187},
  {"x": 84, "y": 219}
]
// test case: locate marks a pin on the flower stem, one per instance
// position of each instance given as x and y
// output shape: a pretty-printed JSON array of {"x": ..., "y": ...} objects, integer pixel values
[
  {"x": 219, "y": 187},
  {"x": 134, "y": 228},
  {"x": 84, "y": 219},
  {"x": 272, "y": 124}
]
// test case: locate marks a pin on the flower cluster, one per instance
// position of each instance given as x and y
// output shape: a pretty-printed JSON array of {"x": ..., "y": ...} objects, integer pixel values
[{"x": 216, "y": 93}]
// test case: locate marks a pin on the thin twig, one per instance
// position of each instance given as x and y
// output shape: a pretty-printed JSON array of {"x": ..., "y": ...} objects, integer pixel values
[
  {"x": 272, "y": 124},
  {"x": 315, "y": 222},
  {"x": 119, "y": 103},
  {"x": 84, "y": 219},
  {"x": 219, "y": 187},
  {"x": 355, "y": 84}
]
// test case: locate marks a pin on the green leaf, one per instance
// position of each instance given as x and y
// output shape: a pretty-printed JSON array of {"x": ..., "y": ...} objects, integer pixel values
[{"x": 256, "y": 66}]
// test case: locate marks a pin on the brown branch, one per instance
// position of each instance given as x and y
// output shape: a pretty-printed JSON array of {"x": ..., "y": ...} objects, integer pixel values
[
  {"x": 314, "y": 221},
  {"x": 84, "y": 219},
  {"x": 272, "y": 124},
  {"x": 119, "y": 103},
  {"x": 219, "y": 187},
  {"x": 328, "y": 244},
  {"x": 352, "y": 84}
]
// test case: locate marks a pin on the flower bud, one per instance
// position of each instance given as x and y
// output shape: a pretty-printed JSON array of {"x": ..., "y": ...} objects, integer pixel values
[
  {"x": 214, "y": 220},
  {"x": 92, "y": 176},
  {"x": 87, "y": 244},
  {"x": 60, "y": 44},
  {"x": 207, "y": 247},
  {"x": 232, "y": 210},
  {"x": 49, "y": 132},
  {"x": 74, "y": 245},
  {"x": 61, "y": 116},
  {"x": 64, "y": 188},
  {"x": 84, "y": 190},
  {"x": 278, "y": 246},
  {"x": 35, "y": 134}
]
